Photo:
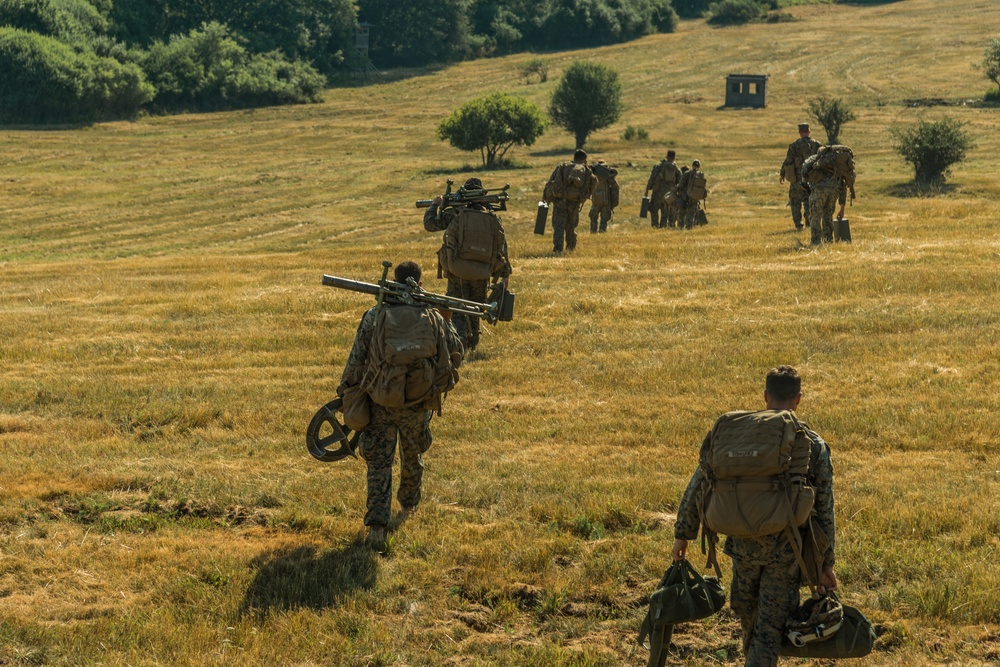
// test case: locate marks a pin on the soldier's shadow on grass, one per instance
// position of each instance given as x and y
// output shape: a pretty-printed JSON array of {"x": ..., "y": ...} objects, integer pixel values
[{"x": 305, "y": 577}]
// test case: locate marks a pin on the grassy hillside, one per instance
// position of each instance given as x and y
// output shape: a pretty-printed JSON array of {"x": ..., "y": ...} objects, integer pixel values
[{"x": 164, "y": 340}]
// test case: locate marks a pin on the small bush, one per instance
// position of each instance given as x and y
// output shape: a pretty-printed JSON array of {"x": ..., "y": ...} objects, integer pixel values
[
  {"x": 735, "y": 12},
  {"x": 535, "y": 67},
  {"x": 665, "y": 18},
  {"x": 832, "y": 114},
  {"x": 932, "y": 147},
  {"x": 779, "y": 17},
  {"x": 632, "y": 133},
  {"x": 492, "y": 124}
]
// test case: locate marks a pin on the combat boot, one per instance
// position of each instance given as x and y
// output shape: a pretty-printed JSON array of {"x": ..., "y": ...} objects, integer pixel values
[{"x": 376, "y": 537}]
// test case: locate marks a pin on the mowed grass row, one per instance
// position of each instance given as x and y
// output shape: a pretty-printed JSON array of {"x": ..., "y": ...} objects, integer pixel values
[{"x": 165, "y": 339}]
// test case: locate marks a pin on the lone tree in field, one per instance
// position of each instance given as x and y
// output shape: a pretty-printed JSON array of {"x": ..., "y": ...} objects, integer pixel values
[
  {"x": 588, "y": 98},
  {"x": 932, "y": 147},
  {"x": 832, "y": 114},
  {"x": 991, "y": 65},
  {"x": 492, "y": 124}
]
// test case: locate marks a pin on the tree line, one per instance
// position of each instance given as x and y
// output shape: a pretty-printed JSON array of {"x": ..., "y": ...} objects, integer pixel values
[{"x": 86, "y": 60}]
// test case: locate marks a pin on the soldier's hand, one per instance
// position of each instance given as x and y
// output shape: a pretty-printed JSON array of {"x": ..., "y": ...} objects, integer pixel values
[
  {"x": 680, "y": 549},
  {"x": 841, "y": 214},
  {"x": 827, "y": 581},
  {"x": 438, "y": 200},
  {"x": 781, "y": 178}
]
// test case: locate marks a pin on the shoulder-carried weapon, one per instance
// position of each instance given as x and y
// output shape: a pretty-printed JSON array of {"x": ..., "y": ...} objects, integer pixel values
[
  {"x": 494, "y": 199},
  {"x": 499, "y": 306}
]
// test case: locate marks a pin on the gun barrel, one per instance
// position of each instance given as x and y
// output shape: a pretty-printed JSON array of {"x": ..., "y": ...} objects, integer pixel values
[
  {"x": 353, "y": 285},
  {"x": 425, "y": 203}
]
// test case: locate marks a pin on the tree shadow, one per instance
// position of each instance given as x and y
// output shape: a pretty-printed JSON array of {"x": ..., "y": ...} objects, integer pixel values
[
  {"x": 304, "y": 577},
  {"x": 479, "y": 168},
  {"x": 915, "y": 190},
  {"x": 390, "y": 75}
]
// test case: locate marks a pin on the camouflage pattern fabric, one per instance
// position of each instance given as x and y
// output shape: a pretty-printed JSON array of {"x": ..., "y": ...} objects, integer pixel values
[
  {"x": 798, "y": 199},
  {"x": 468, "y": 328},
  {"x": 766, "y": 577},
  {"x": 602, "y": 214},
  {"x": 377, "y": 446},
  {"x": 822, "y": 203},
  {"x": 411, "y": 426},
  {"x": 565, "y": 218},
  {"x": 659, "y": 190},
  {"x": 435, "y": 223}
]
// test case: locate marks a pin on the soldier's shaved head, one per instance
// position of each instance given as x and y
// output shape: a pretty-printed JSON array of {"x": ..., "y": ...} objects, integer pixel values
[
  {"x": 407, "y": 269},
  {"x": 783, "y": 383}
]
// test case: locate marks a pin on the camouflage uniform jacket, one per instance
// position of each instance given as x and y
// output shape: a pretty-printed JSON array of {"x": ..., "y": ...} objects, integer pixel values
[
  {"x": 658, "y": 179},
  {"x": 820, "y": 477},
  {"x": 799, "y": 151},
  {"x": 435, "y": 223},
  {"x": 555, "y": 189},
  {"x": 357, "y": 360}
]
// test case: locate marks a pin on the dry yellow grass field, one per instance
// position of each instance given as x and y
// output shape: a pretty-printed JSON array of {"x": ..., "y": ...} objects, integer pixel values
[{"x": 164, "y": 340}]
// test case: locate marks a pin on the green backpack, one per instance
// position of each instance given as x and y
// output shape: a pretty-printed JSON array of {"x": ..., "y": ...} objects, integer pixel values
[{"x": 474, "y": 244}]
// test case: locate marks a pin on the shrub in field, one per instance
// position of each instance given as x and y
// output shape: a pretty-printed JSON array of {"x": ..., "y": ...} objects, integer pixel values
[
  {"x": 932, "y": 147},
  {"x": 991, "y": 66},
  {"x": 493, "y": 124},
  {"x": 632, "y": 133},
  {"x": 535, "y": 67},
  {"x": 735, "y": 12},
  {"x": 45, "y": 81},
  {"x": 832, "y": 114},
  {"x": 209, "y": 69},
  {"x": 588, "y": 98},
  {"x": 665, "y": 17}
]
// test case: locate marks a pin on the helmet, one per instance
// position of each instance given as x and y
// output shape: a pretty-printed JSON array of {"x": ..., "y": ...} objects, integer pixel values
[{"x": 816, "y": 620}]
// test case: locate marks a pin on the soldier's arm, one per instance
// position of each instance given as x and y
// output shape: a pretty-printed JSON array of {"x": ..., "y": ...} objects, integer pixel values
[
  {"x": 455, "y": 349},
  {"x": 434, "y": 223},
  {"x": 358, "y": 358},
  {"x": 790, "y": 155},
  {"x": 821, "y": 478},
  {"x": 688, "y": 519},
  {"x": 652, "y": 178}
]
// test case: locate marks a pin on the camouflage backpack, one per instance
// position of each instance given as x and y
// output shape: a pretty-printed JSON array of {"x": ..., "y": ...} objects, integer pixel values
[
  {"x": 408, "y": 359},
  {"x": 696, "y": 189},
  {"x": 572, "y": 182},
  {"x": 474, "y": 245},
  {"x": 668, "y": 174},
  {"x": 755, "y": 466},
  {"x": 838, "y": 160}
]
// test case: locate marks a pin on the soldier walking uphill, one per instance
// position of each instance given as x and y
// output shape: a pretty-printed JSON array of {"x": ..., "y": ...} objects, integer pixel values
[
  {"x": 570, "y": 185},
  {"x": 605, "y": 199},
  {"x": 691, "y": 192},
  {"x": 662, "y": 181},
  {"x": 474, "y": 250},
  {"x": 799, "y": 151},
  {"x": 402, "y": 397},
  {"x": 765, "y": 480},
  {"x": 828, "y": 175}
]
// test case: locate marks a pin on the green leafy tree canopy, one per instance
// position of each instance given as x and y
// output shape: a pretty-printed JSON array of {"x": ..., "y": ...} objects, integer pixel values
[
  {"x": 492, "y": 124},
  {"x": 991, "y": 62},
  {"x": 832, "y": 114},
  {"x": 932, "y": 147},
  {"x": 588, "y": 98}
]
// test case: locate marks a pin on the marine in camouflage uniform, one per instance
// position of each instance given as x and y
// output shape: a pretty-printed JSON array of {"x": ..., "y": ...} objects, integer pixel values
[
  {"x": 410, "y": 426},
  {"x": 468, "y": 328},
  {"x": 799, "y": 151},
  {"x": 602, "y": 209},
  {"x": 766, "y": 577},
  {"x": 827, "y": 190},
  {"x": 662, "y": 180},
  {"x": 688, "y": 207},
  {"x": 566, "y": 211}
]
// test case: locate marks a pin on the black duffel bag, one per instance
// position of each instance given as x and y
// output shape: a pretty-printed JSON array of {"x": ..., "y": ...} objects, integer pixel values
[{"x": 854, "y": 639}]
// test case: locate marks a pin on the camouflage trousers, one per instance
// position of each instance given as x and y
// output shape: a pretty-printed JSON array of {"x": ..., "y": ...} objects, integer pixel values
[
  {"x": 565, "y": 218},
  {"x": 378, "y": 448},
  {"x": 798, "y": 200},
  {"x": 689, "y": 213},
  {"x": 822, "y": 203},
  {"x": 661, "y": 214},
  {"x": 764, "y": 594},
  {"x": 602, "y": 215},
  {"x": 468, "y": 328}
]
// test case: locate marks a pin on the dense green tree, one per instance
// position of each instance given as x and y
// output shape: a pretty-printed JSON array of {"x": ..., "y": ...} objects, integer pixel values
[
  {"x": 691, "y": 9},
  {"x": 588, "y": 98},
  {"x": 832, "y": 114},
  {"x": 735, "y": 12},
  {"x": 417, "y": 32},
  {"x": 492, "y": 124},
  {"x": 69, "y": 21},
  {"x": 932, "y": 147},
  {"x": 44, "y": 80}
]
